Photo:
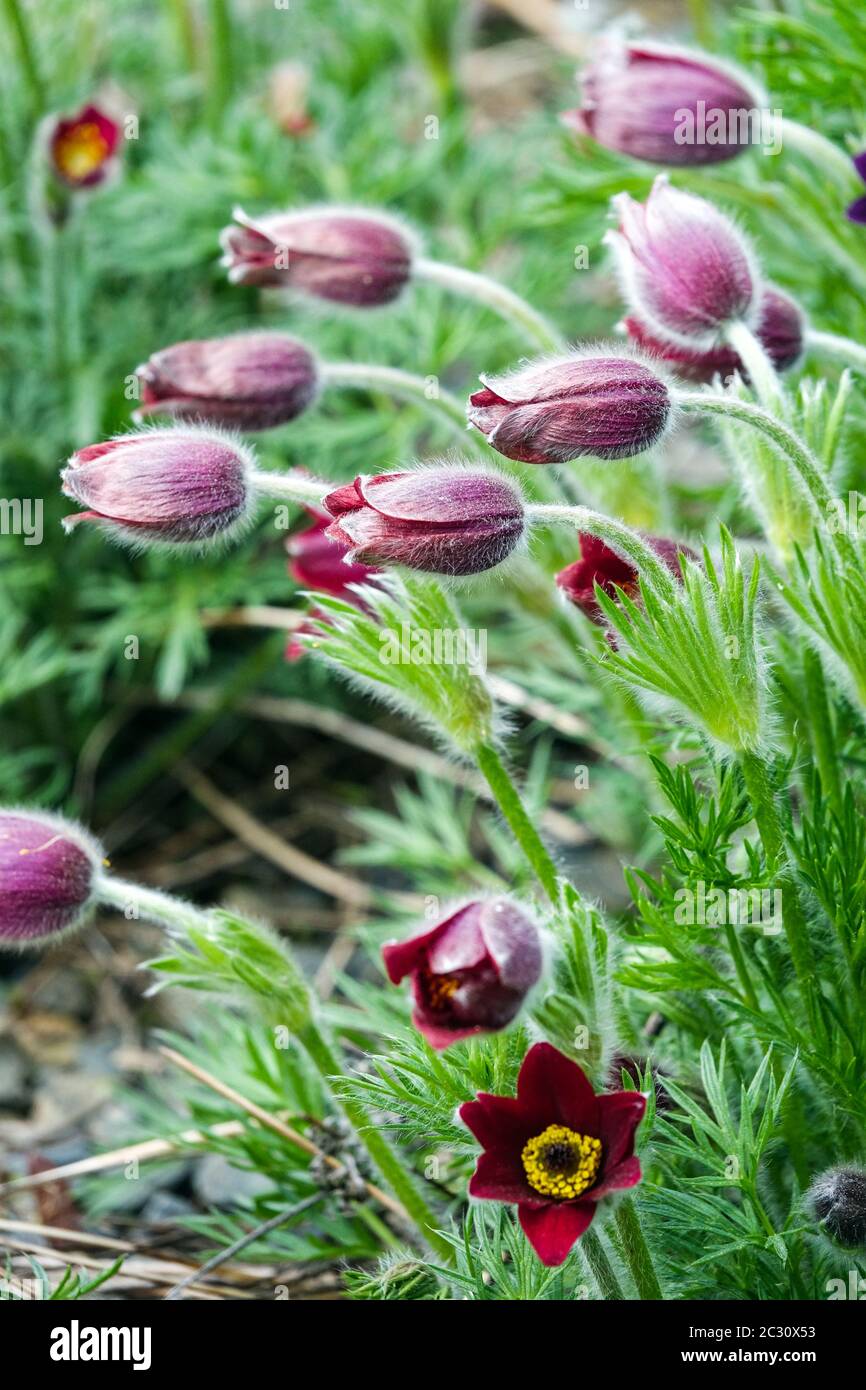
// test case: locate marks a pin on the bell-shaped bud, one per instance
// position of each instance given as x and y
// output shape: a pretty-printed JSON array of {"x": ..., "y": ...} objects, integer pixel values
[
  {"x": 687, "y": 271},
  {"x": 781, "y": 330},
  {"x": 442, "y": 519},
  {"x": 666, "y": 105},
  {"x": 563, "y": 408},
  {"x": 345, "y": 255},
  {"x": 250, "y": 381},
  {"x": 174, "y": 486},
  {"x": 471, "y": 972},
  {"x": 838, "y": 1200},
  {"x": 48, "y": 873}
]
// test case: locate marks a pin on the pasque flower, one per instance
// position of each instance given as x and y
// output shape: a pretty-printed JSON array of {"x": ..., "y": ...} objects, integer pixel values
[
  {"x": 598, "y": 564},
  {"x": 838, "y": 1200},
  {"x": 857, "y": 210},
  {"x": 253, "y": 381},
  {"x": 687, "y": 271},
  {"x": 562, "y": 408},
  {"x": 781, "y": 329},
  {"x": 48, "y": 869},
  {"x": 663, "y": 104},
  {"x": 173, "y": 485},
  {"x": 345, "y": 255},
  {"x": 445, "y": 520},
  {"x": 555, "y": 1150},
  {"x": 83, "y": 149},
  {"x": 471, "y": 972},
  {"x": 319, "y": 562}
]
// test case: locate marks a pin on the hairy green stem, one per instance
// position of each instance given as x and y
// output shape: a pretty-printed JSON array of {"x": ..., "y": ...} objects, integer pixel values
[
  {"x": 824, "y": 741},
  {"x": 290, "y": 487},
  {"x": 503, "y": 301},
  {"x": 835, "y": 346},
  {"x": 762, "y": 374},
  {"x": 402, "y": 1183},
  {"x": 636, "y": 1251},
  {"x": 135, "y": 902},
  {"x": 403, "y": 385},
  {"x": 602, "y": 1270},
  {"x": 512, "y": 808},
  {"x": 818, "y": 150},
  {"x": 620, "y": 538}
]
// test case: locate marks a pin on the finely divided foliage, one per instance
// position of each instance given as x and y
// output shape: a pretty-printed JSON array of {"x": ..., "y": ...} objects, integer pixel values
[{"x": 522, "y": 1093}]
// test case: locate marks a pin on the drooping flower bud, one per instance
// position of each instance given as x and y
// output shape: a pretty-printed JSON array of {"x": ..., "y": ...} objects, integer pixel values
[
  {"x": 471, "y": 972},
  {"x": 48, "y": 871},
  {"x": 175, "y": 486},
  {"x": 318, "y": 561},
  {"x": 441, "y": 519},
  {"x": 252, "y": 381},
  {"x": 665, "y": 105},
  {"x": 345, "y": 255},
  {"x": 780, "y": 329},
  {"x": 564, "y": 408},
  {"x": 838, "y": 1200},
  {"x": 83, "y": 149},
  {"x": 598, "y": 564},
  {"x": 686, "y": 270}
]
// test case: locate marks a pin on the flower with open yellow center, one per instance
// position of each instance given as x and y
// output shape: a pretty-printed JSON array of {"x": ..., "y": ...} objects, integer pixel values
[
  {"x": 561, "y": 1163},
  {"x": 81, "y": 150}
]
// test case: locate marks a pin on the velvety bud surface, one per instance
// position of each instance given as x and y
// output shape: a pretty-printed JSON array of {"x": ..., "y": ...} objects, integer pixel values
[
  {"x": 354, "y": 258},
  {"x": 160, "y": 485},
  {"x": 686, "y": 270},
  {"x": 47, "y": 872},
  {"x": 83, "y": 148},
  {"x": 780, "y": 329},
  {"x": 471, "y": 972},
  {"x": 250, "y": 381},
  {"x": 554, "y": 1150},
  {"x": 638, "y": 97},
  {"x": 442, "y": 520},
  {"x": 598, "y": 564},
  {"x": 553, "y": 411}
]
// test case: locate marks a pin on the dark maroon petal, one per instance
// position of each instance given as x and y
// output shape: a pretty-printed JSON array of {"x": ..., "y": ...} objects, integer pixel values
[
  {"x": 512, "y": 942},
  {"x": 553, "y": 1230},
  {"x": 402, "y": 957},
  {"x": 344, "y": 499},
  {"x": 459, "y": 944},
  {"x": 551, "y": 1084},
  {"x": 499, "y": 1177},
  {"x": 438, "y": 1036},
  {"x": 318, "y": 562},
  {"x": 501, "y": 1123},
  {"x": 626, "y": 1174},
  {"x": 619, "y": 1116}
]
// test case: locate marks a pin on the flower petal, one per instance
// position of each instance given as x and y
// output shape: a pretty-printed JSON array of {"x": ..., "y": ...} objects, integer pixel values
[
  {"x": 499, "y": 1177},
  {"x": 553, "y": 1230},
  {"x": 626, "y": 1174},
  {"x": 619, "y": 1116},
  {"x": 499, "y": 1122},
  {"x": 551, "y": 1084}
]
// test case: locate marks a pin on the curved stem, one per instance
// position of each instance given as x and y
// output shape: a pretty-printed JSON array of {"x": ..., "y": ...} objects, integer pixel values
[
  {"x": 636, "y": 1251},
  {"x": 503, "y": 301},
  {"x": 133, "y": 900},
  {"x": 515, "y": 813},
  {"x": 404, "y": 385},
  {"x": 817, "y": 149},
  {"x": 762, "y": 374},
  {"x": 402, "y": 1183},
  {"x": 627, "y": 543},
  {"x": 290, "y": 487},
  {"x": 832, "y": 345}
]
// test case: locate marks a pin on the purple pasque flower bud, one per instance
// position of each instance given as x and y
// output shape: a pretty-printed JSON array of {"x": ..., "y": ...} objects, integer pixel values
[
  {"x": 838, "y": 1200},
  {"x": 605, "y": 404},
  {"x": 173, "y": 486},
  {"x": 471, "y": 972},
  {"x": 687, "y": 271},
  {"x": 443, "y": 519},
  {"x": 252, "y": 381},
  {"x": 346, "y": 255},
  {"x": 48, "y": 873},
  {"x": 780, "y": 329},
  {"x": 665, "y": 105}
]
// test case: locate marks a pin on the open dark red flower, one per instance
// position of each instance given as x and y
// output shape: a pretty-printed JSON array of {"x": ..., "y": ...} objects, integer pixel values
[
  {"x": 598, "y": 564},
  {"x": 555, "y": 1150},
  {"x": 84, "y": 149},
  {"x": 471, "y": 972}
]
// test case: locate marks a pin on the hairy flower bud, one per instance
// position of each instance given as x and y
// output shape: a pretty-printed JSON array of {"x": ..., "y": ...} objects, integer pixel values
[
  {"x": 48, "y": 871},
  {"x": 445, "y": 520},
  {"x": 83, "y": 149},
  {"x": 175, "y": 486},
  {"x": 253, "y": 381},
  {"x": 344, "y": 255},
  {"x": 318, "y": 561},
  {"x": 554, "y": 410},
  {"x": 664, "y": 105},
  {"x": 598, "y": 564},
  {"x": 686, "y": 270},
  {"x": 780, "y": 329},
  {"x": 838, "y": 1200},
  {"x": 471, "y": 972}
]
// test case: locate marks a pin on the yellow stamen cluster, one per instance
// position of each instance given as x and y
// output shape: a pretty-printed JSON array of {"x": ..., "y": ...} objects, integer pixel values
[
  {"x": 561, "y": 1163},
  {"x": 438, "y": 989},
  {"x": 80, "y": 150}
]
